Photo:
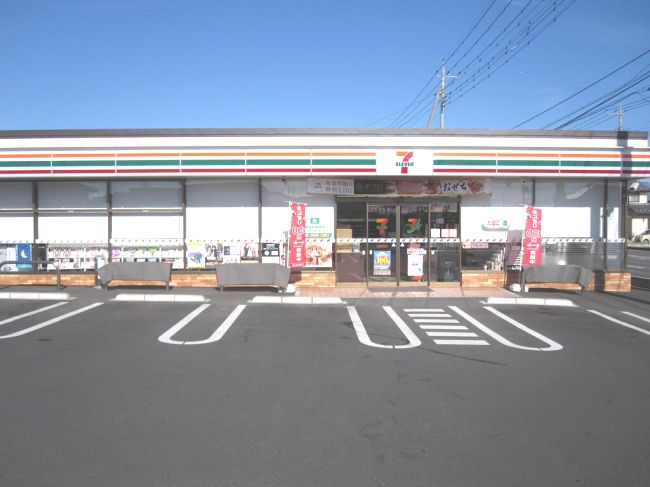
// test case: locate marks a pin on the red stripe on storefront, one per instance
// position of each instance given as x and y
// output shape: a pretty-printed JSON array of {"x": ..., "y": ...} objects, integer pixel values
[
  {"x": 529, "y": 171},
  {"x": 213, "y": 170},
  {"x": 148, "y": 171},
  {"x": 278, "y": 170},
  {"x": 45, "y": 171},
  {"x": 589, "y": 171},
  {"x": 83, "y": 171},
  {"x": 488, "y": 171},
  {"x": 344, "y": 170}
]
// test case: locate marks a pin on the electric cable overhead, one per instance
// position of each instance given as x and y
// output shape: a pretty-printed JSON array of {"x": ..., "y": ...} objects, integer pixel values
[
  {"x": 582, "y": 90},
  {"x": 513, "y": 29}
]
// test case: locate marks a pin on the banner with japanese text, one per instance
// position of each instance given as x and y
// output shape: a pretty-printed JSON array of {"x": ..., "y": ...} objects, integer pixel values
[
  {"x": 532, "y": 237},
  {"x": 297, "y": 243}
]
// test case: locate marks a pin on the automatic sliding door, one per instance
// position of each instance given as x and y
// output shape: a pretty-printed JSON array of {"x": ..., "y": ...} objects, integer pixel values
[
  {"x": 382, "y": 244},
  {"x": 414, "y": 259}
]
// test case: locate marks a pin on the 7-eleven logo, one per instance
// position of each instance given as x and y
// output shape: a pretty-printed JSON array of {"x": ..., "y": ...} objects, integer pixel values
[{"x": 406, "y": 162}]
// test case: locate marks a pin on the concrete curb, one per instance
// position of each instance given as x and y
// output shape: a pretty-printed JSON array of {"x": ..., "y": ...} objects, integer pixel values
[
  {"x": 162, "y": 298},
  {"x": 531, "y": 301},
  {"x": 37, "y": 296},
  {"x": 294, "y": 300}
]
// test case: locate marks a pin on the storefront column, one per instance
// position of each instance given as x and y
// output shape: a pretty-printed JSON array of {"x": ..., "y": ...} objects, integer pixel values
[
  {"x": 35, "y": 210},
  {"x": 109, "y": 209},
  {"x": 184, "y": 219}
]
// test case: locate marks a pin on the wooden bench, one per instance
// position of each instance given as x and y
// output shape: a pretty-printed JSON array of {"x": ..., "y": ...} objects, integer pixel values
[
  {"x": 549, "y": 275},
  {"x": 135, "y": 272},
  {"x": 256, "y": 274}
]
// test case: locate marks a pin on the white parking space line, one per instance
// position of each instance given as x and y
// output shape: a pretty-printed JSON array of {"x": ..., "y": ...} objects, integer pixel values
[
  {"x": 435, "y": 320},
  {"x": 461, "y": 342},
  {"x": 423, "y": 310},
  {"x": 429, "y": 315},
  {"x": 636, "y": 266},
  {"x": 457, "y": 334},
  {"x": 362, "y": 333},
  {"x": 215, "y": 337},
  {"x": 51, "y": 322},
  {"x": 552, "y": 346},
  {"x": 443, "y": 327},
  {"x": 438, "y": 315},
  {"x": 31, "y": 313},
  {"x": 638, "y": 317},
  {"x": 619, "y": 322}
]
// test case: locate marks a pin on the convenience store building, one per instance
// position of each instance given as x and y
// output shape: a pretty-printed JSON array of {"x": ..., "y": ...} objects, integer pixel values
[{"x": 395, "y": 207}]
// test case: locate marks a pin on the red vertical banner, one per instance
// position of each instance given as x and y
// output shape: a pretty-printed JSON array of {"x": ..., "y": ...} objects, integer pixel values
[
  {"x": 532, "y": 237},
  {"x": 297, "y": 244}
]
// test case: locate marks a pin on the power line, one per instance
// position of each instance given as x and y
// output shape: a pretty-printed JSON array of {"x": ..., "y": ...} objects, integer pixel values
[
  {"x": 582, "y": 90},
  {"x": 522, "y": 38}
]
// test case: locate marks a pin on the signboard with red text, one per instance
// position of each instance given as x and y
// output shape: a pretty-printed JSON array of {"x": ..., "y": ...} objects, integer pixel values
[
  {"x": 532, "y": 237},
  {"x": 297, "y": 243}
]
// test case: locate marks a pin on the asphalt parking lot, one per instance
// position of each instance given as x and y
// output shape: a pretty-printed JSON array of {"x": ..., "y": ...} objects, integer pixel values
[{"x": 239, "y": 390}]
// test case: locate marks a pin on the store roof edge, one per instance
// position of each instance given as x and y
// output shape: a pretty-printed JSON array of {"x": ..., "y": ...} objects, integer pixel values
[{"x": 270, "y": 132}]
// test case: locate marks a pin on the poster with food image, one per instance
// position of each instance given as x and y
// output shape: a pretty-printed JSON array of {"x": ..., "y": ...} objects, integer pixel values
[
  {"x": 382, "y": 262},
  {"x": 319, "y": 254}
]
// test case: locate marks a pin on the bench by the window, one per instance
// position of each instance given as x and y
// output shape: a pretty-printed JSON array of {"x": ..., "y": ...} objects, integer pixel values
[
  {"x": 260, "y": 274},
  {"x": 551, "y": 274},
  {"x": 135, "y": 272}
]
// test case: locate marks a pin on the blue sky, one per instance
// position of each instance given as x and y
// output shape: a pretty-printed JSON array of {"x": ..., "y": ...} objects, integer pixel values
[{"x": 298, "y": 63}]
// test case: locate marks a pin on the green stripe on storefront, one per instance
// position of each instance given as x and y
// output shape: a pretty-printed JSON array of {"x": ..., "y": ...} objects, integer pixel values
[
  {"x": 148, "y": 163},
  {"x": 278, "y": 162},
  {"x": 213, "y": 162},
  {"x": 344, "y": 162},
  {"x": 24, "y": 164},
  {"x": 529, "y": 163},
  {"x": 591, "y": 163},
  {"x": 83, "y": 163},
  {"x": 461, "y": 162}
]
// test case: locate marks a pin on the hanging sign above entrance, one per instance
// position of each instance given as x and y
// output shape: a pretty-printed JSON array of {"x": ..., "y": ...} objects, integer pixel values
[{"x": 422, "y": 186}]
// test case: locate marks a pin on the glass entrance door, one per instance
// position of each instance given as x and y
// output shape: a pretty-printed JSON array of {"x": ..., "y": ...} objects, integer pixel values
[
  {"x": 382, "y": 262},
  {"x": 412, "y": 245}
]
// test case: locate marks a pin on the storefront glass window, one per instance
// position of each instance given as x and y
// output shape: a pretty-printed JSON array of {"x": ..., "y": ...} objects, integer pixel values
[
  {"x": 72, "y": 211},
  {"x": 570, "y": 209},
  {"x": 16, "y": 219},
  {"x": 221, "y": 221},
  {"x": 277, "y": 194},
  {"x": 146, "y": 209}
]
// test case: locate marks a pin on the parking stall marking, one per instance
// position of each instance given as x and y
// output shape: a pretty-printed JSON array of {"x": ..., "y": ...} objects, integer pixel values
[
  {"x": 50, "y": 322},
  {"x": 444, "y": 334},
  {"x": 552, "y": 345},
  {"x": 622, "y": 323},
  {"x": 215, "y": 337},
  {"x": 362, "y": 333},
  {"x": 31, "y": 313},
  {"x": 638, "y": 317}
]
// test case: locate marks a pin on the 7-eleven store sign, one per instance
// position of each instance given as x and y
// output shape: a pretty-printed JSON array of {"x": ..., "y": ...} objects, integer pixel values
[{"x": 406, "y": 162}]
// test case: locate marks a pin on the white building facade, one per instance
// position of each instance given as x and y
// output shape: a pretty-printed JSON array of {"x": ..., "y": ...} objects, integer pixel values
[{"x": 406, "y": 207}]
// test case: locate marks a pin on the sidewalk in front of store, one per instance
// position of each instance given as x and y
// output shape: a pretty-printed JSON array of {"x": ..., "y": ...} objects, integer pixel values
[{"x": 211, "y": 294}]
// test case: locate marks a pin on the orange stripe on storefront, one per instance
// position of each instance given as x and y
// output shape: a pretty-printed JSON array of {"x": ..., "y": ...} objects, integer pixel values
[
  {"x": 85, "y": 156},
  {"x": 278, "y": 154},
  {"x": 24, "y": 156},
  {"x": 465, "y": 154},
  {"x": 149, "y": 154},
  {"x": 213, "y": 154},
  {"x": 344, "y": 154}
]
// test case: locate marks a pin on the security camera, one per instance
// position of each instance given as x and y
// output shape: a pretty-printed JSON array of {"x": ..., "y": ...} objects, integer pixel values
[{"x": 634, "y": 186}]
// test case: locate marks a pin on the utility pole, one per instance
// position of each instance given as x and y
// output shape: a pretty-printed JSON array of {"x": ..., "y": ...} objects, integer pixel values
[
  {"x": 440, "y": 97},
  {"x": 619, "y": 113}
]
